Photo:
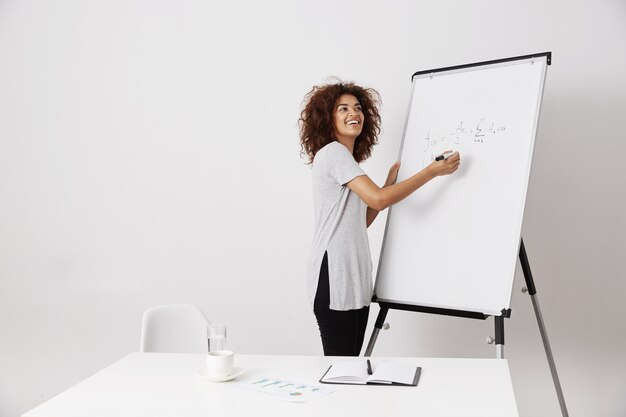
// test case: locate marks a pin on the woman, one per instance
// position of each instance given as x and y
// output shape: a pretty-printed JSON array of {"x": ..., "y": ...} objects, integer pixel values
[{"x": 339, "y": 126}]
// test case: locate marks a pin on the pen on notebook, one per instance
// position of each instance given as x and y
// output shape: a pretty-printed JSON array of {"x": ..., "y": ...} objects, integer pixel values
[
  {"x": 444, "y": 155},
  {"x": 369, "y": 367}
]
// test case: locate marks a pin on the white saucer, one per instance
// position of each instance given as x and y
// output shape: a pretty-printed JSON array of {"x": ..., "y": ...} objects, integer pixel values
[{"x": 202, "y": 373}]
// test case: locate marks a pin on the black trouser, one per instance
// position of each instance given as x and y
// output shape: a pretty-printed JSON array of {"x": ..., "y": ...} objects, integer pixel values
[{"x": 342, "y": 332}]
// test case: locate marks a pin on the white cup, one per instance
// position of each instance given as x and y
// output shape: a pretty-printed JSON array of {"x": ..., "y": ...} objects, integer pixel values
[{"x": 219, "y": 363}]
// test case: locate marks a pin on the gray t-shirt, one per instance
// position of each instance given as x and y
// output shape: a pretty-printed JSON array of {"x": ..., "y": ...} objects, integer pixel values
[{"x": 340, "y": 230}]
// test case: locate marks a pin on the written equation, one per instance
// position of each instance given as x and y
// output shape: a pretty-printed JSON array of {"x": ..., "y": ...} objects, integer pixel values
[{"x": 464, "y": 133}]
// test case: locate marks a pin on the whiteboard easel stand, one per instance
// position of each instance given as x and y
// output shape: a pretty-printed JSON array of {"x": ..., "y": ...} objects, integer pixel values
[
  {"x": 499, "y": 339},
  {"x": 532, "y": 291},
  {"x": 498, "y": 321}
]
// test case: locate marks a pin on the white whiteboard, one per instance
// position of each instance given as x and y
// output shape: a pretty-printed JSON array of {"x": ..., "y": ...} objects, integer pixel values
[{"x": 454, "y": 243}]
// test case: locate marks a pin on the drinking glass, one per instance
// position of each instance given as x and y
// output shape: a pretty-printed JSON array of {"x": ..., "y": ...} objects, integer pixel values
[{"x": 217, "y": 337}]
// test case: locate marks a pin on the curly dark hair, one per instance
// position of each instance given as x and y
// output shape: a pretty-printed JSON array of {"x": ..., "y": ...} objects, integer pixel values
[{"x": 316, "y": 120}]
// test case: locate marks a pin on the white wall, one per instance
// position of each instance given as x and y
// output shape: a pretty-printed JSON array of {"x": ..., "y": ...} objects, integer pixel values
[{"x": 149, "y": 154}]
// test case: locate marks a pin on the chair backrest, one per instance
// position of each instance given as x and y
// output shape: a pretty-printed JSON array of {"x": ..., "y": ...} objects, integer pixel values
[{"x": 175, "y": 328}]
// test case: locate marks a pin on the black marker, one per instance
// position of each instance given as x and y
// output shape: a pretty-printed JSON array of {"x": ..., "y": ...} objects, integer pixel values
[
  {"x": 369, "y": 367},
  {"x": 444, "y": 156}
]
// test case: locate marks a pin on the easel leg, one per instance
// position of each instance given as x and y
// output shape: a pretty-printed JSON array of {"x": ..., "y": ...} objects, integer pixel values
[
  {"x": 532, "y": 291},
  {"x": 499, "y": 322},
  {"x": 380, "y": 321}
]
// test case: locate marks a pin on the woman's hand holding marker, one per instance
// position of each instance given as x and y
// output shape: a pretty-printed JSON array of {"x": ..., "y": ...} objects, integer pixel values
[{"x": 445, "y": 164}]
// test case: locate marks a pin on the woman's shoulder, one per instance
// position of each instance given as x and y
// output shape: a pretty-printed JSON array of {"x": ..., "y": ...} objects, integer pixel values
[
  {"x": 330, "y": 150},
  {"x": 330, "y": 146}
]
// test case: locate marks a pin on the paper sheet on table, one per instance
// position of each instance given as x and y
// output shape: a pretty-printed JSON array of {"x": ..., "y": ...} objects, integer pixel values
[{"x": 286, "y": 390}]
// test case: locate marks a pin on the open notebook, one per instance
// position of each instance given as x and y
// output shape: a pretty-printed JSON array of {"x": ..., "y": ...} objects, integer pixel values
[{"x": 383, "y": 373}]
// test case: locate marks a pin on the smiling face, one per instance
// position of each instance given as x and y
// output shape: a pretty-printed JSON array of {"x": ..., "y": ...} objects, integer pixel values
[{"x": 348, "y": 118}]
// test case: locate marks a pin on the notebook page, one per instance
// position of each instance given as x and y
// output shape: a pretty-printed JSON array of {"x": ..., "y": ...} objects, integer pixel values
[
  {"x": 393, "y": 372},
  {"x": 348, "y": 371}
]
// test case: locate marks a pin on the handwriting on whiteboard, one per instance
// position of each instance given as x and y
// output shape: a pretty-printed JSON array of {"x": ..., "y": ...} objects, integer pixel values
[{"x": 464, "y": 133}]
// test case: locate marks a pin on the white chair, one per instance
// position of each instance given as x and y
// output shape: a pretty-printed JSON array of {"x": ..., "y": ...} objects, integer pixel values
[{"x": 174, "y": 328}]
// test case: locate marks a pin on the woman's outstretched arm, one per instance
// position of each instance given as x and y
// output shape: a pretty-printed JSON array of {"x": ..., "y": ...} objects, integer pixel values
[{"x": 379, "y": 198}]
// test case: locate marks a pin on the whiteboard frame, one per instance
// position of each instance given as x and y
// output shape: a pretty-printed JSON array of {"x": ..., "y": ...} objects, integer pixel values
[{"x": 506, "y": 311}]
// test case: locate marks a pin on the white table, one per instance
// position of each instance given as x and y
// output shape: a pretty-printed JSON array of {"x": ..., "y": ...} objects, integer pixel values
[{"x": 166, "y": 384}]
